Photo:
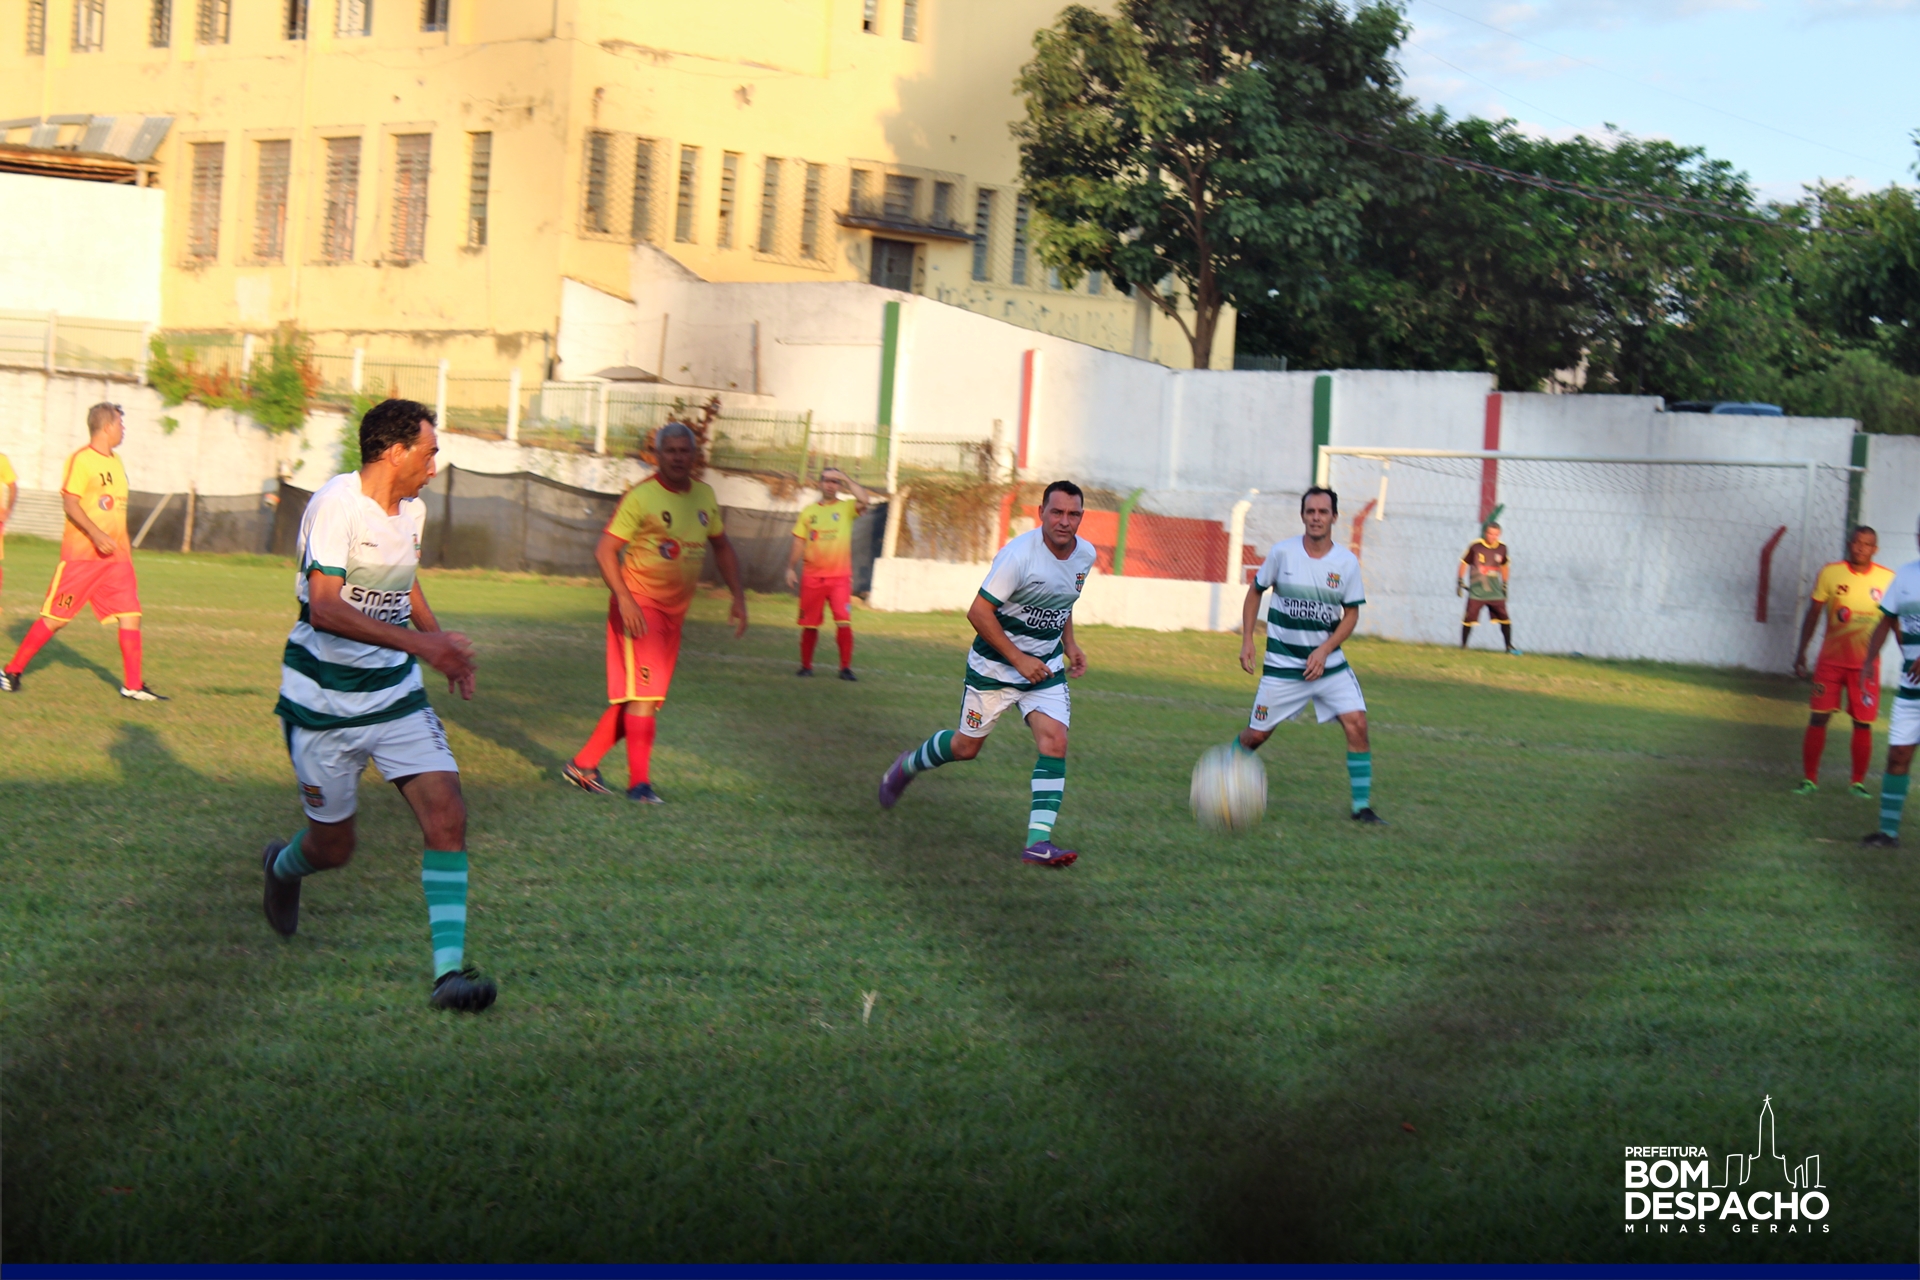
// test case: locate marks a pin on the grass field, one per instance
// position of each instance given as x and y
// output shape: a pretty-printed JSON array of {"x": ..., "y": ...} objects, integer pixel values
[{"x": 1597, "y": 920}]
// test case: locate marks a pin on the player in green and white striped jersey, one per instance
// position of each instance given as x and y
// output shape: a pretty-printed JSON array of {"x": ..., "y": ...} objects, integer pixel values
[
  {"x": 1023, "y": 655},
  {"x": 1899, "y": 616},
  {"x": 351, "y": 688},
  {"x": 1313, "y": 609}
]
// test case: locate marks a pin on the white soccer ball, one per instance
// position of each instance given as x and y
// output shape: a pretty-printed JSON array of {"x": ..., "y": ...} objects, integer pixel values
[{"x": 1229, "y": 791}]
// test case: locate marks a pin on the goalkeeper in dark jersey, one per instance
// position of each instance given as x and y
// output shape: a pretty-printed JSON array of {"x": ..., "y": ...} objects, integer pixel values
[{"x": 1482, "y": 576}]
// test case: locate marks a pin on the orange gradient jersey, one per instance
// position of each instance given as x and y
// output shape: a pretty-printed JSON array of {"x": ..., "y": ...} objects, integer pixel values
[
  {"x": 827, "y": 529},
  {"x": 1850, "y": 602},
  {"x": 100, "y": 482},
  {"x": 666, "y": 535}
]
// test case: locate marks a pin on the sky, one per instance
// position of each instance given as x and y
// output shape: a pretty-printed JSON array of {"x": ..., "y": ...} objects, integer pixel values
[{"x": 1789, "y": 91}]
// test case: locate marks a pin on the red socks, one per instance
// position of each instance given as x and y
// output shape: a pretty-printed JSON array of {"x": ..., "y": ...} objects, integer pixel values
[
  {"x": 809, "y": 637},
  {"x": 1811, "y": 749},
  {"x": 640, "y": 730},
  {"x": 605, "y": 734},
  {"x": 1862, "y": 751},
  {"x": 38, "y": 634},
  {"x": 130, "y": 657},
  {"x": 843, "y": 636}
]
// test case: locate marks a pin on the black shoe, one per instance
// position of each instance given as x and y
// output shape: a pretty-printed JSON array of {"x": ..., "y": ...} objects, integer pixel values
[
  {"x": 282, "y": 898},
  {"x": 804, "y": 671},
  {"x": 1880, "y": 840},
  {"x": 846, "y": 673},
  {"x": 588, "y": 780},
  {"x": 12, "y": 681},
  {"x": 1371, "y": 818},
  {"x": 643, "y": 793},
  {"x": 463, "y": 991}
]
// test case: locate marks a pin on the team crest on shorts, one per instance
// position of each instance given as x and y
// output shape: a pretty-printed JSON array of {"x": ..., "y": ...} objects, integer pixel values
[
  {"x": 1259, "y": 712},
  {"x": 1819, "y": 687},
  {"x": 1333, "y": 582},
  {"x": 973, "y": 719},
  {"x": 669, "y": 549},
  {"x": 315, "y": 798},
  {"x": 646, "y": 675}
]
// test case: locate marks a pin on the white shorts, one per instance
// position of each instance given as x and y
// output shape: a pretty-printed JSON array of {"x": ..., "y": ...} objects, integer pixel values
[
  {"x": 979, "y": 708},
  {"x": 1333, "y": 695},
  {"x": 1903, "y": 727},
  {"x": 328, "y": 762}
]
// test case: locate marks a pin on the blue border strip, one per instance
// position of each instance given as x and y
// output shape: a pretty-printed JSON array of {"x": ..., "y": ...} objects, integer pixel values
[{"x": 955, "y": 1271}]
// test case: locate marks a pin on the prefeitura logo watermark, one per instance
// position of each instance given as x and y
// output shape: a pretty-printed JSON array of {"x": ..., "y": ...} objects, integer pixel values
[{"x": 1674, "y": 1190}]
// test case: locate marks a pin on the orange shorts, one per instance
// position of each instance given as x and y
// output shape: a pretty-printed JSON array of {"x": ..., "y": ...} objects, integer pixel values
[
  {"x": 816, "y": 594},
  {"x": 640, "y": 668},
  {"x": 107, "y": 585},
  {"x": 1861, "y": 685}
]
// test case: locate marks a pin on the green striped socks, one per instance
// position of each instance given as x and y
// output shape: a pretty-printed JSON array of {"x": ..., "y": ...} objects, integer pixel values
[
  {"x": 933, "y": 753},
  {"x": 1049, "y": 785},
  {"x": 291, "y": 862},
  {"x": 1893, "y": 798},
  {"x": 1360, "y": 778},
  {"x": 443, "y": 874}
]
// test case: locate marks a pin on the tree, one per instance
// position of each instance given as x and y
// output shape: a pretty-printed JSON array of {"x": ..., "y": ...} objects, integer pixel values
[
  {"x": 1866, "y": 286},
  {"x": 1191, "y": 146}
]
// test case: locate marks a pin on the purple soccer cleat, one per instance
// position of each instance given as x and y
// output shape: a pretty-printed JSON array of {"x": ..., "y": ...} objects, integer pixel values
[
  {"x": 895, "y": 780},
  {"x": 1048, "y": 854}
]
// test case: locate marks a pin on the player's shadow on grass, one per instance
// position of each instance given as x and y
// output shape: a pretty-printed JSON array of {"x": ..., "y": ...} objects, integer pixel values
[{"x": 57, "y": 653}]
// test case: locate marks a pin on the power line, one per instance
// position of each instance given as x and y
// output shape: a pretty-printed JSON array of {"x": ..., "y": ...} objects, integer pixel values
[{"x": 1491, "y": 85}]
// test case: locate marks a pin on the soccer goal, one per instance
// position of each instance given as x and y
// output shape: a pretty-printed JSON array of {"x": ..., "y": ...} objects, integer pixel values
[{"x": 1676, "y": 559}]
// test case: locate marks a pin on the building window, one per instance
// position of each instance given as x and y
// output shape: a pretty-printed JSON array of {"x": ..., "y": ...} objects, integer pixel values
[
  {"x": 353, "y": 18},
  {"x": 643, "y": 190},
  {"x": 769, "y": 206},
  {"x": 1021, "y": 211},
  {"x": 1095, "y": 285},
  {"x": 203, "y": 201},
  {"x": 910, "y": 20},
  {"x": 213, "y": 22},
  {"x": 433, "y": 14},
  {"x": 892, "y": 266},
  {"x": 595, "y": 216},
  {"x": 943, "y": 204},
  {"x": 296, "y": 19},
  {"x": 859, "y": 192},
  {"x": 870, "y": 17},
  {"x": 89, "y": 25},
  {"x": 982, "y": 232},
  {"x": 270, "y": 201},
  {"x": 479, "y": 178},
  {"x": 160, "y": 24},
  {"x": 810, "y": 211},
  {"x": 729, "y": 184},
  {"x": 412, "y": 155},
  {"x": 36, "y": 27},
  {"x": 683, "y": 200},
  {"x": 903, "y": 196},
  {"x": 343, "y": 196}
]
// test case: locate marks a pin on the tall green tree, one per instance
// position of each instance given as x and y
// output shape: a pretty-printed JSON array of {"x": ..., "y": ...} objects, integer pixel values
[{"x": 1185, "y": 147}]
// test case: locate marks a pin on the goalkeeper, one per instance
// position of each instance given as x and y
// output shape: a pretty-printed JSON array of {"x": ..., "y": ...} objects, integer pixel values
[{"x": 1482, "y": 576}]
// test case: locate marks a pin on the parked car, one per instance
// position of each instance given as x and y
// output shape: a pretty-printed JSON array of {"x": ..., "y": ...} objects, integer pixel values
[{"x": 1752, "y": 408}]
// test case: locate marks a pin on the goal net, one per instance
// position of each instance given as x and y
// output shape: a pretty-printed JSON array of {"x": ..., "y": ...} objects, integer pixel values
[{"x": 1674, "y": 560}]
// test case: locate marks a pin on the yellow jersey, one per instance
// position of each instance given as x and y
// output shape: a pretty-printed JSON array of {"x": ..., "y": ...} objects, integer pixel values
[
  {"x": 827, "y": 528},
  {"x": 6, "y": 471},
  {"x": 100, "y": 482},
  {"x": 1851, "y": 606},
  {"x": 666, "y": 535}
]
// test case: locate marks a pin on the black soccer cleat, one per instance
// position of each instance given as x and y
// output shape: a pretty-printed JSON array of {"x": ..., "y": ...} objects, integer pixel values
[
  {"x": 463, "y": 991},
  {"x": 804, "y": 671},
  {"x": 282, "y": 897},
  {"x": 588, "y": 780},
  {"x": 846, "y": 673},
  {"x": 12, "y": 681},
  {"x": 643, "y": 793},
  {"x": 1370, "y": 818},
  {"x": 1880, "y": 840}
]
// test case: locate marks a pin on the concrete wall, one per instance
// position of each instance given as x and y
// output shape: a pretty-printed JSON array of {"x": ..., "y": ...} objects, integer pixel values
[
  {"x": 55, "y": 227},
  {"x": 1155, "y": 604}
]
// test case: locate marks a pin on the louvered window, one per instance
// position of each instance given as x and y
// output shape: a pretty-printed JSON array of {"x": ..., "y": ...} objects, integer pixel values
[
  {"x": 270, "y": 201},
  {"x": 296, "y": 26},
  {"x": 903, "y": 194},
  {"x": 729, "y": 187},
  {"x": 910, "y": 19},
  {"x": 433, "y": 14},
  {"x": 343, "y": 196},
  {"x": 594, "y": 216},
  {"x": 870, "y": 17},
  {"x": 36, "y": 27},
  {"x": 982, "y": 233},
  {"x": 683, "y": 199},
  {"x": 943, "y": 204},
  {"x": 479, "y": 179},
  {"x": 1021, "y": 211},
  {"x": 203, "y": 201},
  {"x": 213, "y": 22},
  {"x": 769, "y": 205},
  {"x": 810, "y": 211},
  {"x": 89, "y": 25},
  {"x": 642, "y": 211},
  {"x": 411, "y": 155},
  {"x": 160, "y": 24},
  {"x": 353, "y": 18}
]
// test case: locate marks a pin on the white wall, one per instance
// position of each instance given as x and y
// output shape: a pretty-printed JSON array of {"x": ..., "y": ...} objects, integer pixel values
[
  {"x": 50, "y": 227},
  {"x": 1153, "y": 604}
]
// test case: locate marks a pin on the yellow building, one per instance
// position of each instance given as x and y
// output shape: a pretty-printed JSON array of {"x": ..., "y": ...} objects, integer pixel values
[{"x": 419, "y": 176}]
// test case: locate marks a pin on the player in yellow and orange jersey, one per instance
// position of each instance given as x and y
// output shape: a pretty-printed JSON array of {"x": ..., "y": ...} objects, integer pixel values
[
  {"x": 651, "y": 556},
  {"x": 96, "y": 556},
  {"x": 9, "y": 491},
  {"x": 1847, "y": 593},
  {"x": 823, "y": 538}
]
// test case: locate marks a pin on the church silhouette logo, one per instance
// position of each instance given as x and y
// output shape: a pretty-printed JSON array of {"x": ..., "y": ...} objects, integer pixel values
[{"x": 1740, "y": 1168}]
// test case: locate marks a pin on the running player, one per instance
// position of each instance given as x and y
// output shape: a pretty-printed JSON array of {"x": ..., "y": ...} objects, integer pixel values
[
  {"x": 1484, "y": 574},
  {"x": 1023, "y": 657},
  {"x": 9, "y": 492},
  {"x": 1899, "y": 611},
  {"x": 96, "y": 557},
  {"x": 1315, "y": 606},
  {"x": 823, "y": 536},
  {"x": 351, "y": 689},
  {"x": 1848, "y": 593},
  {"x": 651, "y": 556}
]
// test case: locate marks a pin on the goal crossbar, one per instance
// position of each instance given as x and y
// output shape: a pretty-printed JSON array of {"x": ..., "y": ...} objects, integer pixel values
[{"x": 1327, "y": 451}]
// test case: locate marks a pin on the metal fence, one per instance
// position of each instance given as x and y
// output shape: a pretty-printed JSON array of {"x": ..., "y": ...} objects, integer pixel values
[{"x": 73, "y": 344}]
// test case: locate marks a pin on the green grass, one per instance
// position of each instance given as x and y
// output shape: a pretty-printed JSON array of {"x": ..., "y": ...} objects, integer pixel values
[{"x": 1598, "y": 920}]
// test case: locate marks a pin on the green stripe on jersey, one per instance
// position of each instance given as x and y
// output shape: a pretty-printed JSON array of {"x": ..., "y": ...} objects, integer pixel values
[
  {"x": 992, "y": 654},
  {"x": 977, "y": 681},
  {"x": 1302, "y": 651},
  {"x": 1015, "y": 627},
  {"x": 1298, "y": 673},
  {"x": 332, "y": 572},
  {"x": 337, "y": 677},
  {"x": 295, "y": 714}
]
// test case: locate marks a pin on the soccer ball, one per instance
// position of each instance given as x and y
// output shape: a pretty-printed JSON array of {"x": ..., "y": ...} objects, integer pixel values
[{"x": 1229, "y": 789}]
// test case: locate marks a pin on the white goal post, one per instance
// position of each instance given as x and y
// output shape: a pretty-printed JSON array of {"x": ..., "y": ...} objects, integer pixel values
[{"x": 1675, "y": 559}]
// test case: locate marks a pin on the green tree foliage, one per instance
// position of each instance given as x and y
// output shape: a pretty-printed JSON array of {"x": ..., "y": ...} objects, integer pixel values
[
  {"x": 1183, "y": 147},
  {"x": 1866, "y": 288},
  {"x": 274, "y": 393}
]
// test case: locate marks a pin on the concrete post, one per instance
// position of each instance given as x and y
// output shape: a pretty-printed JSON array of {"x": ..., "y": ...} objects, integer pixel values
[
  {"x": 53, "y": 324},
  {"x": 1236, "y": 538},
  {"x": 359, "y": 381},
  {"x": 896, "y": 510},
  {"x": 246, "y": 355},
  {"x": 513, "y": 406},
  {"x": 440, "y": 397},
  {"x": 600, "y": 421}
]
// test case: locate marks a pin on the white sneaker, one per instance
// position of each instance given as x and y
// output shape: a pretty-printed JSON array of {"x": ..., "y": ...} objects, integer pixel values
[{"x": 144, "y": 693}]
